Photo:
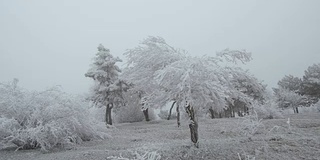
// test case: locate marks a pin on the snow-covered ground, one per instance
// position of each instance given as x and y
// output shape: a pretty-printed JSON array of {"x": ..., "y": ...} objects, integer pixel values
[{"x": 239, "y": 138}]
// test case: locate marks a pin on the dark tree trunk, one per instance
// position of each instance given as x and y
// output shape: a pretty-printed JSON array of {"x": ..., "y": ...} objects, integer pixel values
[
  {"x": 146, "y": 114},
  {"x": 232, "y": 111},
  {"x": 170, "y": 111},
  {"x": 240, "y": 114},
  {"x": 295, "y": 110},
  {"x": 108, "y": 114},
  {"x": 193, "y": 125},
  {"x": 110, "y": 118},
  {"x": 178, "y": 116},
  {"x": 211, "y": 113},
  {"x": 246, "y": 110}
]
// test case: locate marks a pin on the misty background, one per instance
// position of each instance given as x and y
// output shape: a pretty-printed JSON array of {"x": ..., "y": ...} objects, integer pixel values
[{"x": 46, "y": 43}]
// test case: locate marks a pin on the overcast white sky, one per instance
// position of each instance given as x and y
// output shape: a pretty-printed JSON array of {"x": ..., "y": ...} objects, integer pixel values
[{"x": 46, "y": 43}]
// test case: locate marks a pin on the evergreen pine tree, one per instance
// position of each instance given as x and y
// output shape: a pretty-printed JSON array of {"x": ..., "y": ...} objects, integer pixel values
[{"x": 108, "y": 87}]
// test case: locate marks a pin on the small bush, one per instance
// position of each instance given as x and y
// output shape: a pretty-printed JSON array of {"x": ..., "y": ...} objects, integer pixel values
[
  {"x": 45, "y": 119},
  {"x": 147, "y": 155},
  {"x": 317, "y": 105},
  {"x": 268, "y": 110},
  {"x": 252, "y": 125},
  {"x": 312, "y": 109}
]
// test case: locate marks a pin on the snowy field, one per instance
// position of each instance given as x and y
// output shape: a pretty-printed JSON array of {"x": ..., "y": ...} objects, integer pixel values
[{"x": 229, "y": 138}]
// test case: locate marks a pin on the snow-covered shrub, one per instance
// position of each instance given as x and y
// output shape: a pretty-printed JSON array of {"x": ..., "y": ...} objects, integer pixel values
[
  {"x": 147, "y": 155},
  {"x": 312, "y": 109},
  {"x": 268, "y": 110},
  {"x": 317, "y": 105},
  {"x": 246, "y": 157},
  {"x": 252, "y": 125},
  {"x": 45, "y": 119}
]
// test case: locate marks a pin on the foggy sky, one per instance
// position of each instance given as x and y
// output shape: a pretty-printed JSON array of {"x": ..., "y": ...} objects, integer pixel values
[{"x": 46, "y": 43}]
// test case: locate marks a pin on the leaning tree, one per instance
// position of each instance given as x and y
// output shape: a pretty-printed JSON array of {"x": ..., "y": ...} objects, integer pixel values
[
  {"x": 143, "y": 62},
  {"x": 161, "y": 73},
  {"x": 199, "y": 84},
  {"x": 108, "y": 88}
]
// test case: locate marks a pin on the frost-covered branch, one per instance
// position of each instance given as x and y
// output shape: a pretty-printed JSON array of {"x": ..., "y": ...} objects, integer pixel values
[{"x": 235, "y": 55}]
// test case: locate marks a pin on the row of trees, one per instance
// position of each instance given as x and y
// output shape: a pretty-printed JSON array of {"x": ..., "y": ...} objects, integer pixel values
[
  {"x": 158, "y": 73},
  {"x": 294, "y": 91}
]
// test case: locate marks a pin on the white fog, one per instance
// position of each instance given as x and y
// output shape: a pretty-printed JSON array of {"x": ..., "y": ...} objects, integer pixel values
[{"x": 151, "y": 80}]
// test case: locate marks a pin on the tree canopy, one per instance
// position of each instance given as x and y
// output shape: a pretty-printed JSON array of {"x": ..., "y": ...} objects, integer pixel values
[{"x": 163, "y": 73}]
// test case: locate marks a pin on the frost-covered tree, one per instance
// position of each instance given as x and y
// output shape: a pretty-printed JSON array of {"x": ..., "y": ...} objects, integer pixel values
[
  {"x": 291, "y": 83},
  {"x": 152, "y": 55},
  {"x": 287, "y": 98},
  {"x": 308, "y": 88},
  {"x": 199, "y": 84},
  {"x": 311, "y": 83},
  {"x": 288, "y": 93},
  {"x": 108, "y": 88},
  {"x": 164, "y": 74},
  {"x": 190, "y": 81},
  {"x": 247, "y": 84}
]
